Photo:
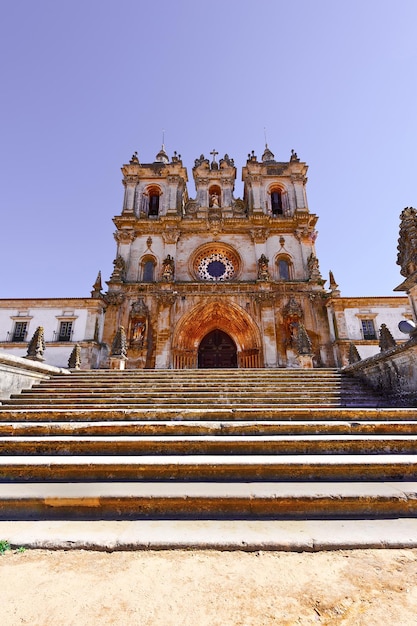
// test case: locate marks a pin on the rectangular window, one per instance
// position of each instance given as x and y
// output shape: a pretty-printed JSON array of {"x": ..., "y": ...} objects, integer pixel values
[
  {"x": 65, "y": 331},
  {"x": 368, "y": 329},
  {"x": 20, "y": 330}
]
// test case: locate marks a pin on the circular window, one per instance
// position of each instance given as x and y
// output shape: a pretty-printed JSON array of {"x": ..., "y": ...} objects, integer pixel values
[{"x": 216, "y": 263}]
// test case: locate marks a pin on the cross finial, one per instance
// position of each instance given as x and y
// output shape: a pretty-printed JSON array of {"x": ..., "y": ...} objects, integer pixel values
[{"x": 213, "y": 152}]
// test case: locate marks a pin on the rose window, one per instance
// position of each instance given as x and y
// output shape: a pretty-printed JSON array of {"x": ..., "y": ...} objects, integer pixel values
[{"x": 215, "y": 265}]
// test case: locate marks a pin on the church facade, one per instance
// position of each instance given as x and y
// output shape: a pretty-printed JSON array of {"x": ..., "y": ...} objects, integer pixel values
[{"x": 212, "y": 280}]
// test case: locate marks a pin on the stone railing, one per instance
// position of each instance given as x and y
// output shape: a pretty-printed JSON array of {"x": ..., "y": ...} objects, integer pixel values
[
  {"x": 392, "y": 372},
  {"x": 17, "y": 373}
]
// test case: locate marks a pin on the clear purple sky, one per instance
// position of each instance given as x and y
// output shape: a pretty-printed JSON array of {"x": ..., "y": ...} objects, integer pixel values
[{"x": 84, "y": 84}]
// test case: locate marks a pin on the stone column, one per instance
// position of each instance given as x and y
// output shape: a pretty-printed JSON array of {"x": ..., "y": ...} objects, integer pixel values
[
  {"x": 163, "y": 342},
  {"x": 265, "y": 299}
]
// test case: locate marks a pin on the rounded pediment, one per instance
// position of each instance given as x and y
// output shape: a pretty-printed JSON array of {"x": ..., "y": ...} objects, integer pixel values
[{"x": 215, "y": 262}]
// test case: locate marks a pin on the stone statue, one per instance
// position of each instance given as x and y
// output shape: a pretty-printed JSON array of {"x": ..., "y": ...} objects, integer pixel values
[
  {"x": 168, "y": 269},
  {"x": 214, "y": 201},
  {"x": 263, "y": 271}
]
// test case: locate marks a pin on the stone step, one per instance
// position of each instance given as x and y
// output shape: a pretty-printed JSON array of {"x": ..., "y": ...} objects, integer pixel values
[
  {"x": 223, "y": 468},
  {"x": 181, "y": 414},
  {"x": 205, "y": 501},
  {"x": 195, "y": 389},
  {"x": 214, "y": 428},
  {"x": 207, "y": 445},
  {"x": 226, "y": 534}
]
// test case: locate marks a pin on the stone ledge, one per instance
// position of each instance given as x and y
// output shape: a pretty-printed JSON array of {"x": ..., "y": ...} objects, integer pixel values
[
  {"x": 248, "y": 536},
  {"x": 17, "y": 373}
]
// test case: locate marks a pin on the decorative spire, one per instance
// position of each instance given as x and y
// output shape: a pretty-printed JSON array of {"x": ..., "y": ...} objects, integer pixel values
[
  {"x": 36, "y": 346},
  {"x": 74, "y": 362},
  {"x": 354, "y": 356},
  {"x": 162, "y": 156},
  {"x": 119, "y": 345},
  {"x": 267, "y": 155},
  {"x": 386, "y": 340},
  {"x": 303, "y": 340},
  {"x": 97, "y": 287},
  {"x": 333, "y": 285}
]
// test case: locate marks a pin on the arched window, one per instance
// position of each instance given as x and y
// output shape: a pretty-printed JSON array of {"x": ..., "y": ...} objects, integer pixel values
[
  {"x": 284, "y": 268},
  {"x": 278, "y": 201},
  {"x": 152, "y": 197},
  {"x": 148, "y": 270}
]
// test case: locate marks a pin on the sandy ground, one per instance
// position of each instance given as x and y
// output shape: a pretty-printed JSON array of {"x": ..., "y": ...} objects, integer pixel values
[{"x": 40, "y": 587}]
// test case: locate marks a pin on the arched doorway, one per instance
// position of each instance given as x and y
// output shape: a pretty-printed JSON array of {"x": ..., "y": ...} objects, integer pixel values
[{"x": 218, "y": 350}]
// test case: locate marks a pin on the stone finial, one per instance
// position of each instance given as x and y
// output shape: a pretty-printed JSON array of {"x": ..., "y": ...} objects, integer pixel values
[
  {"x": 386, "y": 340},
  {"x": 97, "y": 287},
  {"x": 118, "y": 274},
  {"x": 74, "y": 361},
  {"x": 354, "y": 356},
  {"x": 134, "y": 160},
  {"x": 313, "y": 269},
  {"x": 294, "y": 156},
  {"x": 333, "y": 285},
  {"x": 303, "y": 340},
  {"x": 407, "y": 242},
  {"x": 119, "y": 345},
  {"x": 36, "y": 346},
  {"x": 263, "y": 271}
]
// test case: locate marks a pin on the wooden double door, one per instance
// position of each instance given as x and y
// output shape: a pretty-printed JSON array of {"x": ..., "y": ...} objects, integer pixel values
[{"x": 217, "y": 350}]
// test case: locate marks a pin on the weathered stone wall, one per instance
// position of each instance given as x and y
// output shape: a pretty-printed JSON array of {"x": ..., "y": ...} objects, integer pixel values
[
  {"x": 394, "y": 373},
  {"x": 17, "y": 374}
]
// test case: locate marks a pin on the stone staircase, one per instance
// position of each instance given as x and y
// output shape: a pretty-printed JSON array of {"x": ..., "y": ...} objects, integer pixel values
[{"x": 196, "y": 445}]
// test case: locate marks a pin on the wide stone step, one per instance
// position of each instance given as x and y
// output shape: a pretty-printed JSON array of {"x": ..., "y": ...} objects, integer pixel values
[
  {"x": 197, "y": 468},
  {"x": 184, "y": 414},
  {"x": 207, "y": 445},
  {"x": 205, "y": 501},
  {"x": 213, "y": 428}
]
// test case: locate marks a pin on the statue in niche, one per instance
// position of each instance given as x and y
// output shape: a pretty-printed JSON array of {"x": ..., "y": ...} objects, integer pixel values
[
  {"x": 263, "y": 271},
  {"x": 137, "y": 332},
  {"x": 215, "y": 201},
  {"x": 168, "y": 267},
  {"x": 138, "y": 324}
]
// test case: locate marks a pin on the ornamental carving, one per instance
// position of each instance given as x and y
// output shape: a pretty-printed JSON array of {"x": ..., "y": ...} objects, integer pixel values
[
  {"x": 259, "y": 235},
  {"x": 170, "y": 236},
  {"x": 407, "y": 242},
  {"x": 166, "y": 298},
  {"x": 124, "y": 236},
  {"x": 130, "y": 180},
  {"x": 191, "y": 208},
  {"x": 265, "y": 298},
  {"x": 115, "y": 298}
]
